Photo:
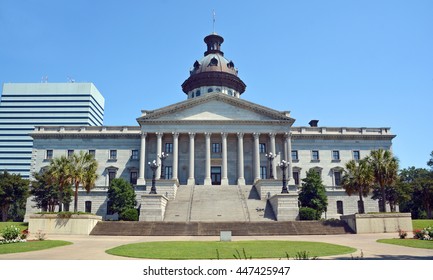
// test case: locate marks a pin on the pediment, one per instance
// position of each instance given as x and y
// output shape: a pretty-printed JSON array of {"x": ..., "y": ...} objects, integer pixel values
[{"x": 215, "y": 107}]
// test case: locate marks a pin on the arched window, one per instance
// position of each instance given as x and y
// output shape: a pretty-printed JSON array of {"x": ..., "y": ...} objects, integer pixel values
[
  {"x": 218, "y": 90},
  {"x": 192, "y": 95},
  {"x": 210, "y": 89},
  {"x": 197, "y": 93},
  {"x": 230, "y": 92}
]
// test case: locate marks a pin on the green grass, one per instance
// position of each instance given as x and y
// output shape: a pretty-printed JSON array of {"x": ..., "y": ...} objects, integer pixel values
[
  {"x": 179, "y": 250},
  {"x": 414, "y": 243},
  {"x": 420, "y": 224},
  {"x": 20, "y": 225},
  {"x": 31, "y": 246}
]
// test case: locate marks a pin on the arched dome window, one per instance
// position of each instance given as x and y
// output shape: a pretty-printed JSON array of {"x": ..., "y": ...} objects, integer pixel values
[
  {"x": 210, "y": 89},
  {"x": 213, "y": 62},
  {"x": 197, "y": 93},
  {"x": 218, "y": 90},
  {"x": 230, "y": 92}
]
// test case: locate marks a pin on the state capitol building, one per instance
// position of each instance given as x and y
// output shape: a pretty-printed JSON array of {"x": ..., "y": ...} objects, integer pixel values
[{"x": 214, "y": 139}]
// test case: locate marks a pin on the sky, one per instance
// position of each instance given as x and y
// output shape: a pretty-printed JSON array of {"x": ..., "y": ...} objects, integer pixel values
[{"x": 345, "y": 63}]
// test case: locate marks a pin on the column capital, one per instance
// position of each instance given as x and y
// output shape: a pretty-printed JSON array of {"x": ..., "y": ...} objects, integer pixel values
[
  {"x": 224, "y": 134},
  {"x": 272, "y": 134},
  {"x": 143, "y": 134},
  {"x": 256, "y": 135},
  {"x": 191, "y": 134},
  {"x": 207, "y": 134},
  {"x": 240, "y": 135},
  {"x": 288, "y": 135},
  {"x": 159, "y": 134},
  {"x": 175, "y": 134}
]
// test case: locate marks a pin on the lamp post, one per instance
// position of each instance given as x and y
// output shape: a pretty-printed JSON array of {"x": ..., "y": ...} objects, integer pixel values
[
  {"x": 283, "y": 165},
  {"x": 154, "y": 166},
  {"x": 162, "y": 157},
  {"x": 270, "y": 157}
]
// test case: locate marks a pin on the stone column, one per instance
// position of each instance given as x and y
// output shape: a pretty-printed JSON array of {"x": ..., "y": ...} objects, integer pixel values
[
  {"x": 241, "y": 178},
  {"x": 158, "y": 153},
  {"x": 191, "y": 179},
  {"x": 288, "y": 137},
  {"x": 256, "y": 156},
  {"x": 175, "y": 154},
  {"x": 207, "y": 179},
  {"x": 224, "y": 179},
  {"x": 273, "y": 151},
  {"x": 142, "y": 176}
]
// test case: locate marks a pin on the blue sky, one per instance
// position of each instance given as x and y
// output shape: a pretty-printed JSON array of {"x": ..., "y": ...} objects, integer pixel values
[{"x": 346, "y": 63}]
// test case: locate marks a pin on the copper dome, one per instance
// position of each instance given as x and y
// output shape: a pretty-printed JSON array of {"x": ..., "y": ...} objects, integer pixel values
[{"x": 213, "y": 69}]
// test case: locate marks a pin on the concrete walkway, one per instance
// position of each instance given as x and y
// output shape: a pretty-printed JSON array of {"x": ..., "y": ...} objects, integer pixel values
[{"x": 93, "y": 247}]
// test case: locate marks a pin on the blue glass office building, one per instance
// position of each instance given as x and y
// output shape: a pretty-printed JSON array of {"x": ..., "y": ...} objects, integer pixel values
[{"x": 26, "y": 105}]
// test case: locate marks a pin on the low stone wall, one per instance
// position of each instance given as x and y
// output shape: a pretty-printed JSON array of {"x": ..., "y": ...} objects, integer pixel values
[
  {"x": 152, "y": 207},
  {"x": 378, "y": 223},
  {"x": 266, "y": 188},
  {"x": 285, "y": 206},
  {"x": 53, "y": 224}
]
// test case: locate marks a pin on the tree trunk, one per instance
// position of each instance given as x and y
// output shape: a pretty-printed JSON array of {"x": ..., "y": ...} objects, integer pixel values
[
  {"x": 361, "y": 209},
  {"x": 382, "y": 188},
  {"x": 76, "y": 197},
  {"x": 5, "y": 210},
  {"x": 60, "y": 199}
]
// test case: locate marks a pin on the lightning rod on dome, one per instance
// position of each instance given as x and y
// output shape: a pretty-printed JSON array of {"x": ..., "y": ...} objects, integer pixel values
[{"x": 213, "y": 21}]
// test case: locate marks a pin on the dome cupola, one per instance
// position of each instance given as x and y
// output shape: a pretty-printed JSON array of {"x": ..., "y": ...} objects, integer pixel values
[{"x": 213, "y": 73}]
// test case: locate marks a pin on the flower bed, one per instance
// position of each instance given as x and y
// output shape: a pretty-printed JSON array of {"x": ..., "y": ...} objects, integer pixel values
[
  {"x": 423, "y": 234},
  {"x": 13, "y": 234}
]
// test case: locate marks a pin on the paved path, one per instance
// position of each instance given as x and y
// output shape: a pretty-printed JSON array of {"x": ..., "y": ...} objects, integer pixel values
[{"x": 93, "y": 247}]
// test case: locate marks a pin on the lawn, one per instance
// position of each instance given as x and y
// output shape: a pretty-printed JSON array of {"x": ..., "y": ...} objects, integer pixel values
[
  {"x": 225, "y": 250},
  {"x": 20, "y": 225},
  {"x": 414, "y": 243},
  {"x": 31, "y": 246},
  {"x": 420, "y": 224}
]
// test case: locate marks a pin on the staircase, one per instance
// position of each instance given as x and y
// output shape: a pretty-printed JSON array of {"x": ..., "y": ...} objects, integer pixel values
[
  {"x": 213, "y": 228},
  {"x": 229, "y": 203}
]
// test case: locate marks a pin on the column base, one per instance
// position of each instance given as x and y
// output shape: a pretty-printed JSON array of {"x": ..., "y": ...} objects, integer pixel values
[
  {"x": 141, "y": 182},
  {"x": 224, "y": 181},
  {"x": 241, "y": 181},
  {"x": 207, "y": 181},
  {"x": 191, "y": 182}
]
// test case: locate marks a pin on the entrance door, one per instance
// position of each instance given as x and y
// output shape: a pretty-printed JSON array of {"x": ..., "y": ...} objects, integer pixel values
[{"x": 215, "y": 174}]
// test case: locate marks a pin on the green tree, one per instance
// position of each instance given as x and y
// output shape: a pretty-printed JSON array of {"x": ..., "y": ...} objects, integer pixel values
[
  {"x": 13, "y": 189},
  {"x": 385, "y": 167},
  {"x": 423, "y": 191},
  {"x": 46, "y": 194},
  {"x": 430, "y": 161},
  {"x": 121, "y": 196},
  {"x": 313, "y": 193},
  {"x": 83, "y": 171},
  {"x": 358, "y": 179},
  {"x": 59, "y": 174}
]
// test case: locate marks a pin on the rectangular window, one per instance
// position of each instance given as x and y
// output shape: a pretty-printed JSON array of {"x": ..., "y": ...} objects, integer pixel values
[
  {"x": 109, "y": 208},
  {"x": 216, "y": 148},
  {"x": 315, "y": 155},
  {"x": 88, "y": 206},
  {"x": 296, "y": 177},
  {"x": 263, "y": 173},
  {"x": 336, "y": 155},
  {"x": 295, "y": 155},
  {"x": 168, "y": 148},
  {"x": 340, "y": 207},
  {"x": 262, "y": 148},
  {"x": 113, "y": 154},
  {"x": 337, "y": 178},
  {"x": 168, "y": 172},
  {"x": 111, "y": 176},
  {"x": 134, "y": 154},
  {"x": 133, "y": 178},
  {"x": 70, "y": 153},
  {"x": 356, "y": 155},
  {"x": 49, "y": 154},
  {"x": 92, "y": 152}
]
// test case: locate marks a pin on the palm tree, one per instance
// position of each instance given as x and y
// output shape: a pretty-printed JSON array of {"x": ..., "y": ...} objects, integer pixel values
[
  {"x": 385, "y": 167},
  {"x": 59, "y": 172},
  {"x": 83, "y": 172},
  {"x": 358, "y": 178}
]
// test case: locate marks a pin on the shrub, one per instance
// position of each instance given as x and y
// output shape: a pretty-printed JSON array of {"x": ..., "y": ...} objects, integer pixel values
[
  {"x": 424, "y": 234},
  {"x": 129, "y": 215},
  {"x": 11, "y": 233},
  {"x": 307, "y": 214},
  {"x": 402, "y": 234}
]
